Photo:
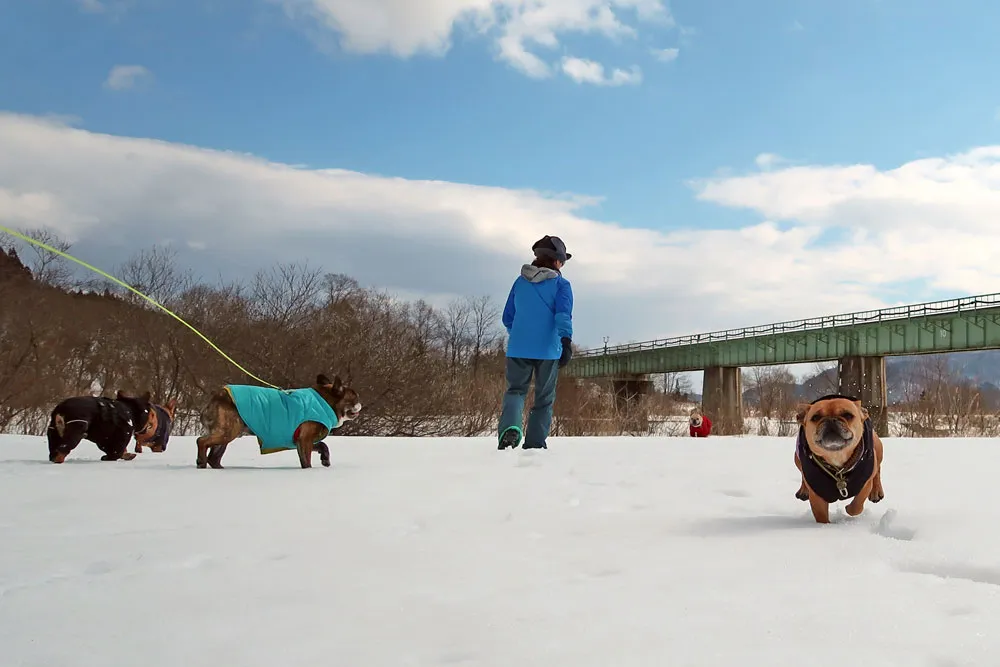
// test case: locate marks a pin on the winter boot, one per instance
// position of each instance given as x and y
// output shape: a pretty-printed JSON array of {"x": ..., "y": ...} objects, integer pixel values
[{"x": 511, "y": 437}]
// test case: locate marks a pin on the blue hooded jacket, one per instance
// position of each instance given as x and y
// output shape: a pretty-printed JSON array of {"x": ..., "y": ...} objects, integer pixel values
[{"x": 538, "y": 314}]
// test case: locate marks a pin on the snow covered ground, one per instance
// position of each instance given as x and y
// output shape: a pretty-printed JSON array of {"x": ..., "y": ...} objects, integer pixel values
[{"x": 611, "y": 553}]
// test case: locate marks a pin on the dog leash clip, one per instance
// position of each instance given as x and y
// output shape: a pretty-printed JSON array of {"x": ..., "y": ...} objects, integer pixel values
[{"x": 842, "y": 488}]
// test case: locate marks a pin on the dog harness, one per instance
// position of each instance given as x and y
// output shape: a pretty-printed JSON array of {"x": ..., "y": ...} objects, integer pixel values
[
  {"x": 830, "y": 482},
  {"x": 275, "y": 415},
  {"x": 114, "y": 412}
]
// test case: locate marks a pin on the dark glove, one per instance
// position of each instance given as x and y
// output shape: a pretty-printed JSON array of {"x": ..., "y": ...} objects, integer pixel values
[{"x": 567, "y": 352}]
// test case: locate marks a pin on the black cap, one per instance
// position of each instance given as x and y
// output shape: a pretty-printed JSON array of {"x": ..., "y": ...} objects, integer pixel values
[{"x": 551, "y": 246}]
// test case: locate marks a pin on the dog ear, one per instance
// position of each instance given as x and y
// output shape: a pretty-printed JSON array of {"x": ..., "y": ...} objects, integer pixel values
[
  {"x": 171, "y": 406},
  {"x": 864, "y": 411},
  {"x": 147, "y": 397},
  {"x": 335, "y": 385},
  {"x": 800, "y": 412},
  {"x": 120, "y": 395}
]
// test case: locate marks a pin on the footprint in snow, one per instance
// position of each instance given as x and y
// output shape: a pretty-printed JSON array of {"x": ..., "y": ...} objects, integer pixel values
[
  {"x": 99, "y": 567},
  {"x": 975, "y": 573},
  {"x": 887, "y": 527}
]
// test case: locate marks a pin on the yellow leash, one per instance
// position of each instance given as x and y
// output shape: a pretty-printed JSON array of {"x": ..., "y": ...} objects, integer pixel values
[{"x": 96, "y": 270}]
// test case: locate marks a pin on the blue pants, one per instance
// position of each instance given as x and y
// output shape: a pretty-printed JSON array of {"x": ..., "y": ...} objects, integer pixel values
[{"x": 519, "y": 373}]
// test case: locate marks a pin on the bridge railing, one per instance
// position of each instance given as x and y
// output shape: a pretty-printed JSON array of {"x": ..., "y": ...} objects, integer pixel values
[{"x": 931, "y": 308}]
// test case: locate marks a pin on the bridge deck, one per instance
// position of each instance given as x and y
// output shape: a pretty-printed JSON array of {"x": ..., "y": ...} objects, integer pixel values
[{"x": 970, "y": 323}]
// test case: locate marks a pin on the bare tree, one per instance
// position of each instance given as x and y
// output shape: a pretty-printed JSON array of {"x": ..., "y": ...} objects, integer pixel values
[
  {"x": 940, "y": 401},
  {"x": 774, "y": 388},
  {"x": 287, "y": 294},
  {"x": 339, "y": 288},
  {"x": 676, "y": 385},
  {"x": 46, "y": 266},
  {"x": 155, "y": 273},
  {"x": 426, "y": 324},
  {"x": 456, "y": 330},
  {"x": 823, "y": 380},
  {"x": 483, "y": 329}
]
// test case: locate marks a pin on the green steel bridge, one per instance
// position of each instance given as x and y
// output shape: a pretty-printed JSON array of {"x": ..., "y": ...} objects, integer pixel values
[{"x": 970, "y": 323}]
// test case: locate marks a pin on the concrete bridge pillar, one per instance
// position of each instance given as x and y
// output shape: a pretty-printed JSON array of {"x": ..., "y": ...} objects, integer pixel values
[
  {"x": 722, "y": 399},
  {"x": 864, "y": 377},
  {"x": 627, "y": 393}
]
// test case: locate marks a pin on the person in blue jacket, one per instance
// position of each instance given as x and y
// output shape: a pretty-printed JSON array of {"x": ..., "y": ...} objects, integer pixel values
[{"x": 538, "y": 317}]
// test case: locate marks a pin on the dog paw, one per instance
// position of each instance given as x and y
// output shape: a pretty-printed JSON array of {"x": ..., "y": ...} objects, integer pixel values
[
  {"x": 201, "y": 464},
  {"x": 802, "y": 494},
  {"x": 324, "y": 453},
  {"x": 853, "y": 510},
  {"x": 876, "y": 496},
  {"x": 128, "y": 456}
]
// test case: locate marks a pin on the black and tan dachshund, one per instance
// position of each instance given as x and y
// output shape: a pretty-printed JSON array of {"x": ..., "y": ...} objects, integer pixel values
[{"x": 109, "y": 423}]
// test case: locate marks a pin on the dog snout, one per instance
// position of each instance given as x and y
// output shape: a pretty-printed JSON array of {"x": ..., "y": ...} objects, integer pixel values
[{"x": 833, "y": 427}]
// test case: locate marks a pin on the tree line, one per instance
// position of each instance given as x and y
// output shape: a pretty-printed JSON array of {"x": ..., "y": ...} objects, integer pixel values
[{"x": 420, "y": 370}]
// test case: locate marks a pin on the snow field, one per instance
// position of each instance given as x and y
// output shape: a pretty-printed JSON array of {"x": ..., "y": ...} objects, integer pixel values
[{"x": 598, "y": 552}]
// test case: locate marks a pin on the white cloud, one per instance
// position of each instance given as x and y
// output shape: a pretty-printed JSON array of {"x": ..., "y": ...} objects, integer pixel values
[
  {"x": 930, "y": 220},
  {"x": 768, "y": 161},
  {"x": 666, "y": 55},
  {"x": 123, "y": 77},
  {"x": 588, "y": 71},
  {"x": 520, "y": 27}
]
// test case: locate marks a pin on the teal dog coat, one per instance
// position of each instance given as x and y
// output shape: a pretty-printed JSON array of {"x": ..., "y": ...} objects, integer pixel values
[{"x": 274, "y": 415}]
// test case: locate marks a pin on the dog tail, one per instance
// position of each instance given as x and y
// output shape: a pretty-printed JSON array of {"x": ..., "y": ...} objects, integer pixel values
[{"x": 60, "y": 423}]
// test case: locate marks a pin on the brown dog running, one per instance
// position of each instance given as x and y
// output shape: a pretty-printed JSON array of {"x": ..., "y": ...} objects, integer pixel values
[
  {"x": 839, "y": 456},
  {"x": 296, "y": 419}
]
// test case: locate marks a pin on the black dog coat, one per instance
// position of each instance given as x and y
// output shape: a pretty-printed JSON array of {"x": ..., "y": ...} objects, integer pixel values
[
  {"x": 106, "y": 422},
  {"x": 831, "y": 483}
]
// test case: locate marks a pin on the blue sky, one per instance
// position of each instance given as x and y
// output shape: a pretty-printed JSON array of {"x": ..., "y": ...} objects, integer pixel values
[
  {"x": 864, "y": 80},
  {"x": 880, "y": 83}
]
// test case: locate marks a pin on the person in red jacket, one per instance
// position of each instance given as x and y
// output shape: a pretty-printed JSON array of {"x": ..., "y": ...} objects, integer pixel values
[{"x": 700, "y": 426}]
